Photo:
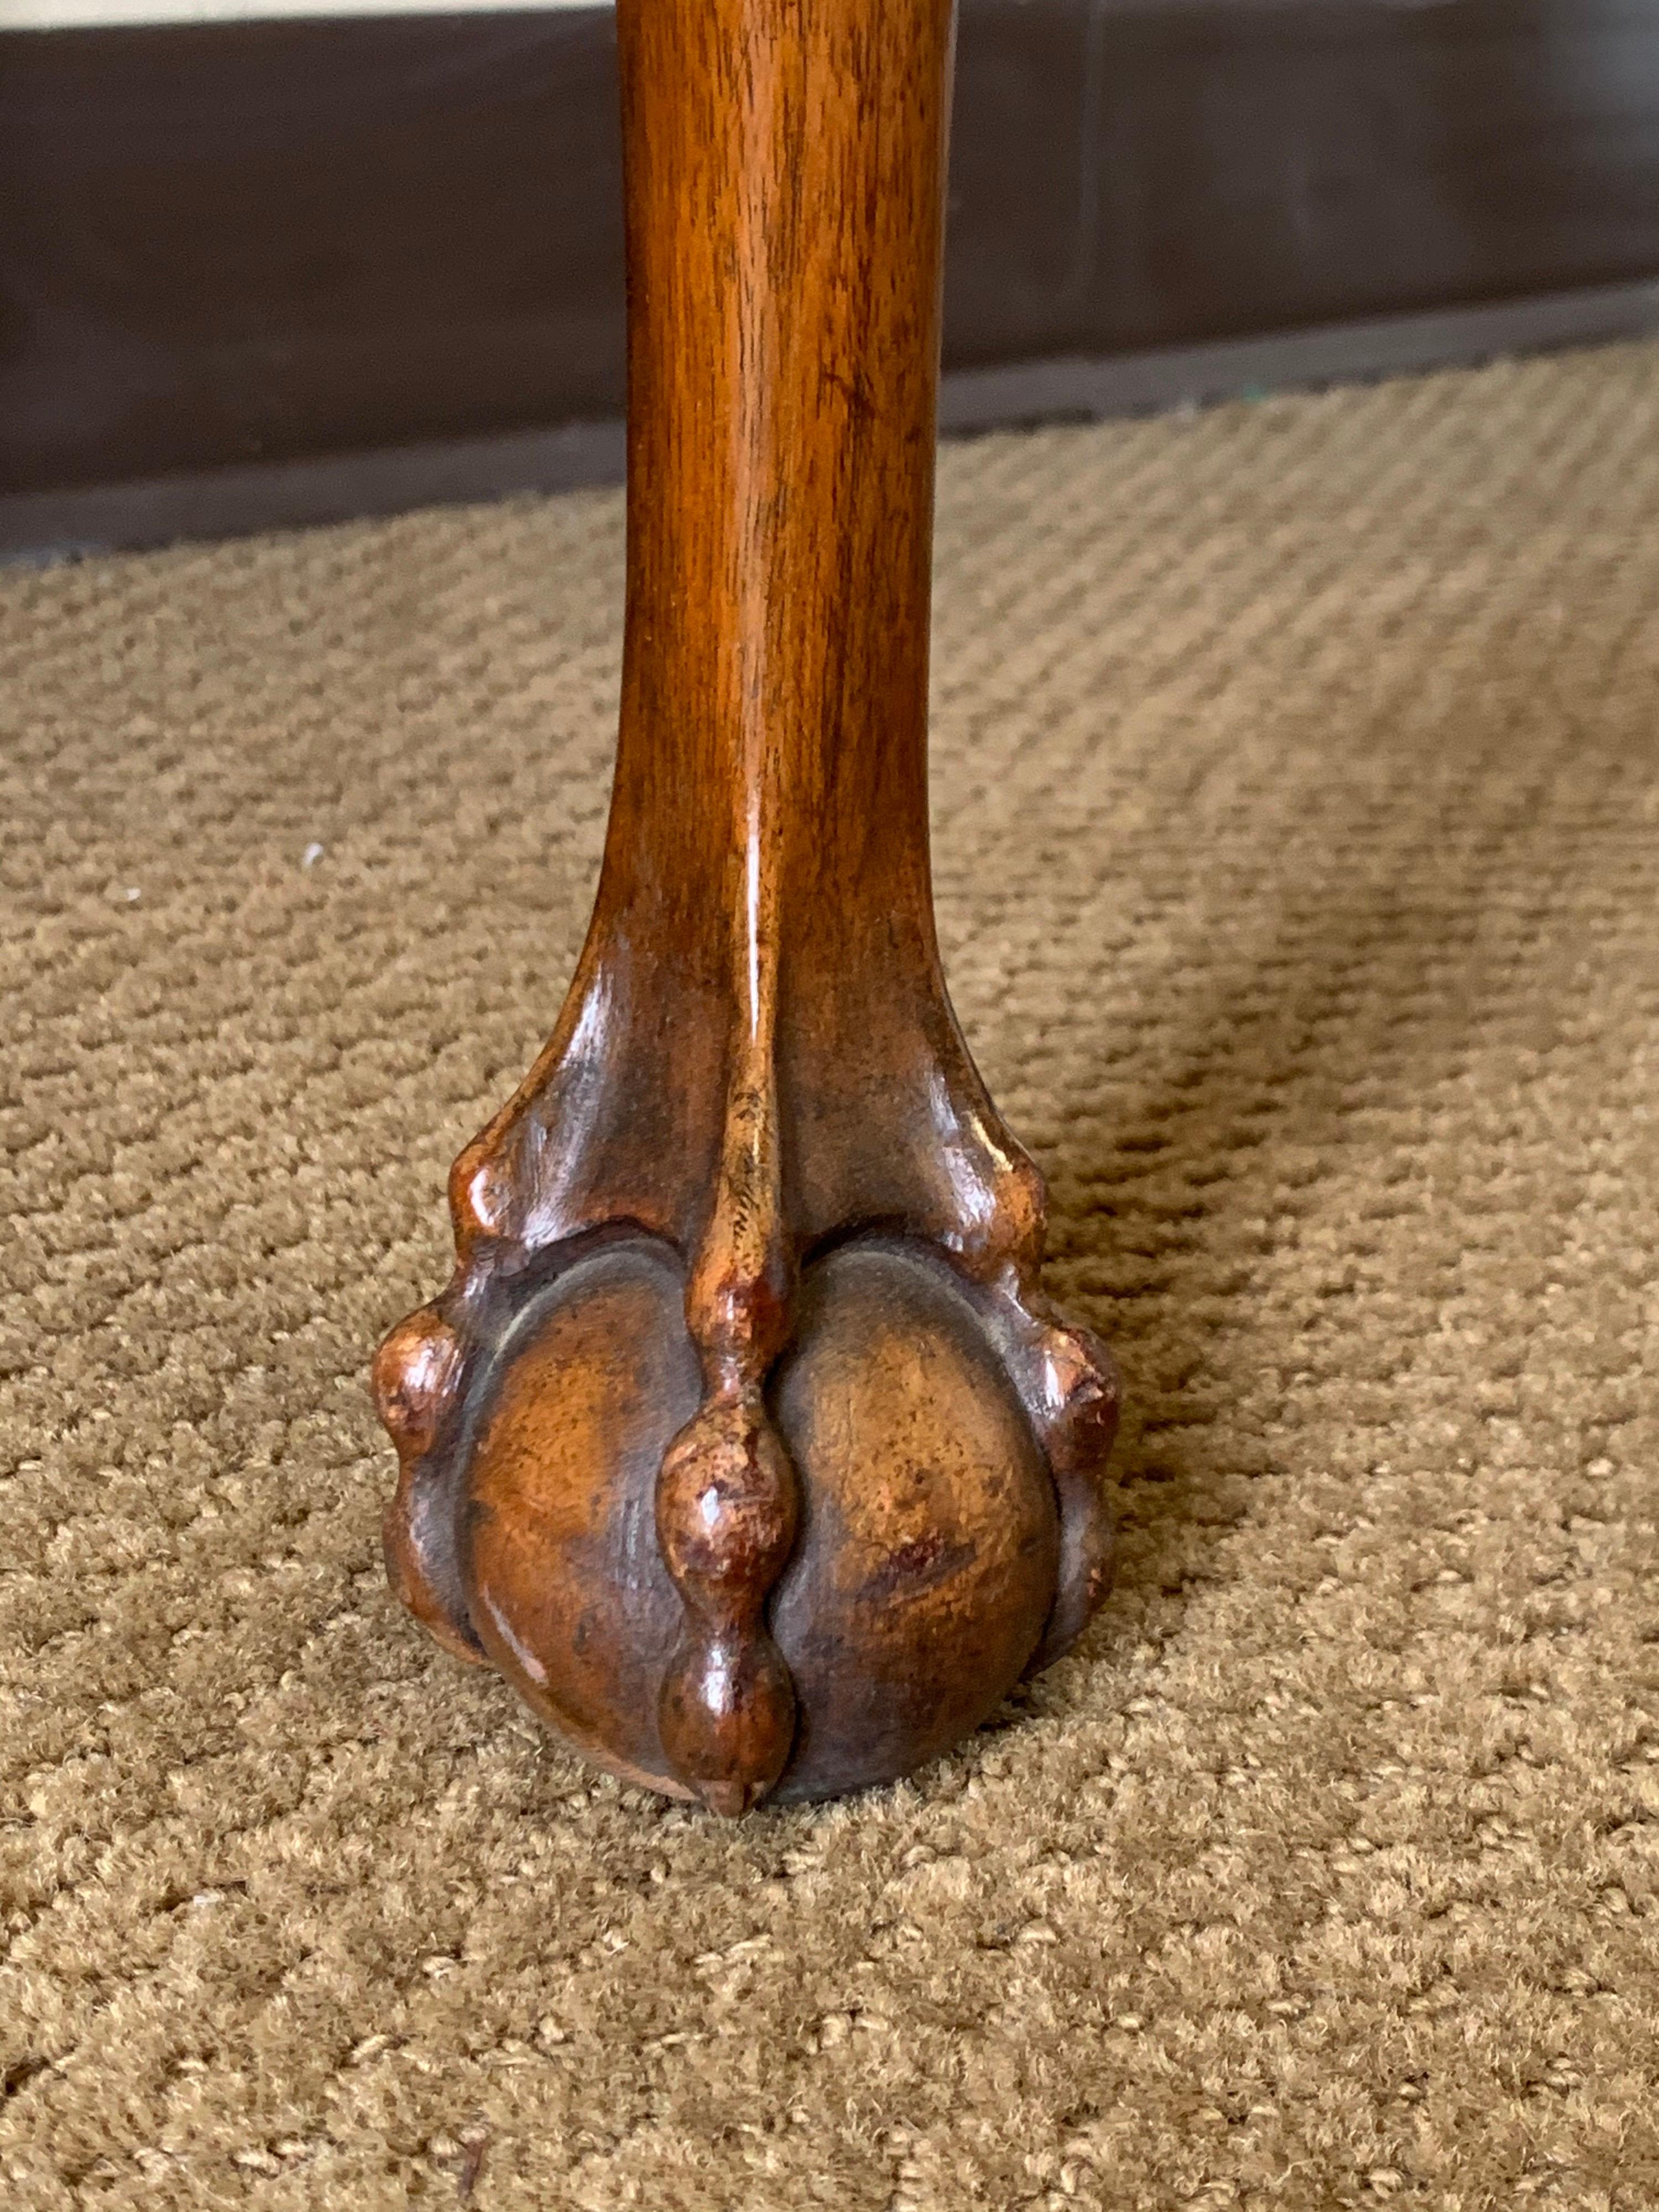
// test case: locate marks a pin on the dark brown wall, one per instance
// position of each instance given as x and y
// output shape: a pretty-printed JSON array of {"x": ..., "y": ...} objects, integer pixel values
[
  {"x": 245, "y": 241},
  {"x": 258, "y": 241}
]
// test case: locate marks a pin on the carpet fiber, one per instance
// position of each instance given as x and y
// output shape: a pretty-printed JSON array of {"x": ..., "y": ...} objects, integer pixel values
[{"x": 1296, "y": 778}]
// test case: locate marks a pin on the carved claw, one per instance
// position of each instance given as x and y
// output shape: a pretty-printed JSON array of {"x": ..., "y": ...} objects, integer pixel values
[
  {"x": 417, "y": 1385},
  {"x": 1076, "y": 1410},
  {"x": 1067, "y": 1378},
  {"x": 726, "y": 1519}
]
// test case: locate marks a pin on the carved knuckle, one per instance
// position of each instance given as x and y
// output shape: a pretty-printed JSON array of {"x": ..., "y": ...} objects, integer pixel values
[
  {"x": 726, "y": 1506},
  {"x": 417, "y": 1371}
]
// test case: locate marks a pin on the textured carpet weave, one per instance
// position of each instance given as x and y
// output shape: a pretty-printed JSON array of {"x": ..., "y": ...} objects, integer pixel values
[{"x": 1296, "y": 776}]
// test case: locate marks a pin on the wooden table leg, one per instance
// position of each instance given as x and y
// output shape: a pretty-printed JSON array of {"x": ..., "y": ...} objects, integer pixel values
[{"x": 742, "y": 1441}]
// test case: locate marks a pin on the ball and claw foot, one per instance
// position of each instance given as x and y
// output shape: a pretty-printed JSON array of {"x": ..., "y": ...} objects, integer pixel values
[{"x": 736, "y": 1530}]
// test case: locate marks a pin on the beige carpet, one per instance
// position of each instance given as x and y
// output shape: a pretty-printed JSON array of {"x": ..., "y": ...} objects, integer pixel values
[{"x": 1298, "y": 783}]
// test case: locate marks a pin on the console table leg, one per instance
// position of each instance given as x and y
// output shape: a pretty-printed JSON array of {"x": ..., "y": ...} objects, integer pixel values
[{"x": 742, "y": 1441}]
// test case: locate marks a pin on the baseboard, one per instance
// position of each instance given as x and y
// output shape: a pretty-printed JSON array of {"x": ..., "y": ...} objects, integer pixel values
[
  {"x": 1341, "y": 353},
  {"x": 275, "y": 272},
  {"x": 41, "y": 528}
]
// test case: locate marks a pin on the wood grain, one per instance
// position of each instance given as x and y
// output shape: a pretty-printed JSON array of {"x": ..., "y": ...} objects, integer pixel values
[{"x": 875, "y": 1456}]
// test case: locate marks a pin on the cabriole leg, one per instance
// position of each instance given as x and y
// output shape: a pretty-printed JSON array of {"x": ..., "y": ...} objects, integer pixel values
[{"x": 742, "y": 1441}]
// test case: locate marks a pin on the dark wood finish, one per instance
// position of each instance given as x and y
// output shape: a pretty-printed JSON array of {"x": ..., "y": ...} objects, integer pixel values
[
  {"x": 742, "y": 1441},
  {"x": 223, "y": 245}
]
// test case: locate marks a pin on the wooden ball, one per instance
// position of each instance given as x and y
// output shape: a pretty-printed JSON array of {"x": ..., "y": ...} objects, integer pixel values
[{"x": 925, "y": 1553}]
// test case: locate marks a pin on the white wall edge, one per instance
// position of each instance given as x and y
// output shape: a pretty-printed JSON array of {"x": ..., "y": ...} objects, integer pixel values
[{"x": 89, "y": 14}]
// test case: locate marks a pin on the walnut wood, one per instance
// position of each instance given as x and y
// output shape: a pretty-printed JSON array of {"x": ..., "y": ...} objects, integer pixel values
[{"x": 741, "y": 1441}]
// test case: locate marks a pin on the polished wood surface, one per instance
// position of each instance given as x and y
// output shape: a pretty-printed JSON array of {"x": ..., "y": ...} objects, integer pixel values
[{"x": 742, "y": 1442}]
